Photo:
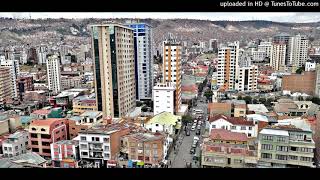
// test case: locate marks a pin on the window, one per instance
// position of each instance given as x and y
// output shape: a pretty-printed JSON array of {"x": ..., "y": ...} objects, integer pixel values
[
  {"x": 293, "y": 148},
  {"x": 42, "y": 129},
  {"x": 282, "y": 148},
  {"x": 5, "y": 148},
  {"x": 266, "y": 155},
  {"x": 306, "y": 150},
  {"x": 157, "y": 125},
  {"x": 233, "y": 127},
  {"x": 106, "y": 140},
  {"x": 83, "y": 138},
  {"x": 243, "y": 128},
  {"x": 281, "y": 139},
  {"x": 155, "y": 146},
  {"x": 309, "y": 159},
  {"x": 213, "y": 126},
  {"x": 106, "y": 148},
  {"x": 250, "y": 128},
  {"x": 97, "y": 139},
  {"x": 281, "y": 157},
  {"x": 106, "y": 155},
  {"x": 237, "y": 161},
  {"x": 266, "y": 146},
  {"x": 83, "y": 146},
  {"x": 84, "y": 153},
  {"x": 268, "y": 138},
  {"x": 293, "y": 157}
]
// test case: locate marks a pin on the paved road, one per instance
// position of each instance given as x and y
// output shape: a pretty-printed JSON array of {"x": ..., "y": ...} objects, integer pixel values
[{"x": 182, "y": 155}]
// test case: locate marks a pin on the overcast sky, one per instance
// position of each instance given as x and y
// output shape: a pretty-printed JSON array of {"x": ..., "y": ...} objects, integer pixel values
[{"x": 279, "y": 17}]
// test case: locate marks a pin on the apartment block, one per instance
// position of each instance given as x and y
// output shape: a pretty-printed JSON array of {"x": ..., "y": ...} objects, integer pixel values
[
  {"x": 172, "y": 67},
  {"x": 82, "y": 104},
  {"x": 65, "y": 154},
  {"x": 287, "y": 144},
  {"x": 6, "y": 84},
  {"x": 298, "y": 50},
  {"x": 16, "y": 144},
  {"x": 101, "y": 143},
  {"x": 247, "y": 78},
  {"x": 143, "y": 60},
  {"x": 226, "y": 149},
  {"x": 24, "y": 84},
  {"x": 144, "y": 148},
  {"x": 14, "y": 67},
  {"x": 54, "y": 74},
  {"x": 44, "y": 132},
  {"x": 278, "y": 59},
  {"x": 228, "y": 58},
  {"x": 114, "y": 61},
  {"x": 164, "y": 95}
]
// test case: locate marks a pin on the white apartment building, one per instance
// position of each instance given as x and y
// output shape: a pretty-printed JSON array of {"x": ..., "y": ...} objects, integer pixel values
[
  {"x": 259, "y": 56},
  {"x": 14, "y": 73},
  {"x": 42, "y": 54},
  {"x": 114, "y": 69},
  {"x": 143, "y": 60},
  {"x": 278, "y": 55},
  {"x": 164, "y": 98},
  {"x": 297, "y": 50},
  {"x": 16, "y": 144},
  {"x": 172, "y": 67},
  {"x": 310, "y": 66},
  {"x": 266, "y": 47},
  {"x": 54, "y": 74},
  {"x": 227, "y": 65},
  {"x": 247, "y": 78}
]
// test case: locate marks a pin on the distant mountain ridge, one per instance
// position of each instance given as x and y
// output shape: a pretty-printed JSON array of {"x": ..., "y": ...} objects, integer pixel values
[{"x": 22, "y": 30}]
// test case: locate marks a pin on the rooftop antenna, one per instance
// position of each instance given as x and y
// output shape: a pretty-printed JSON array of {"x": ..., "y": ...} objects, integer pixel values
[{"x": 30, "y": 15}]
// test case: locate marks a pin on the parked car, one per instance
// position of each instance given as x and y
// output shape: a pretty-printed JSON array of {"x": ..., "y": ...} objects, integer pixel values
[
  {"x": 198, "y": 132},
  {"x": 192, "y": 150},
  {"x": 194, "y": 144},
  {"x": 196, "y": 138},
  {"x": 195, "y": 121}
]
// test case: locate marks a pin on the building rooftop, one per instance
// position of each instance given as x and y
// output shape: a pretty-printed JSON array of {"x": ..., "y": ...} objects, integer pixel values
[
  {"x": 20, "y": 161},
  {"x": 91, "y": 114},
  {"x": 274, "y": 132},
  {"x": 165, "y": 118},
  {"x": 222, "y": 134},
  {"x": 232, "y": 120},
  {"x": 45, "y": 122},
  {"x": 42, "y": 112},
  {"x": 220, "y": 106},
  {"x": 257, "y": 108},
  {"x": 68, "y": 142},
  {"x": 144, "y": 137},
  {"x": 17, "y": 134},
  {"x": 105, "y": 129}
]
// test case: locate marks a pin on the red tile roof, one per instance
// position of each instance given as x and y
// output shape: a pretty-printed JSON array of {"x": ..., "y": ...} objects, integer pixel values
[
  {"x": 222, "y": 134},
  {"x": 232, "y": 120},
  {"x": 41, "y": 112},
  {"x": 46, "y": 122}
]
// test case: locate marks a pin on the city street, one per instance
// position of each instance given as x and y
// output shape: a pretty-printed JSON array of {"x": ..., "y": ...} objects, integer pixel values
[{"x": 181, "y": 155}]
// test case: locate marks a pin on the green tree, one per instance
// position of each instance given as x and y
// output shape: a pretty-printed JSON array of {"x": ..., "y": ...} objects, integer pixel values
[
  {"x": 316, "y": 100},
  {"x": 248, "y": 99},
  {"x": 300, "y": 70},
  {"x": 269, "y": 102},
  {"x": 186, "y": 119},
  {"x": 144, "y": 109},
  {"x": 139, "y": 104},
  {"x": 240, "y": 98},
  {"x": 300, "y": 98},
  {"x": 262, "y": 100},
  {"x": 208, "y": 94},
  {"x": 254, "y": 101}
]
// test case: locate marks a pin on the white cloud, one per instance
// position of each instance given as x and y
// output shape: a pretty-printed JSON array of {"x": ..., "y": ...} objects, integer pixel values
[{"x": 280, "y": 17}]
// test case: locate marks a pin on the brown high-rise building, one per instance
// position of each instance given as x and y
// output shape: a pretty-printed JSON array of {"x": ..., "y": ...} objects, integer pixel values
[
  {"x": 5, "y": 85},
  {"x": 24, "y": 83},
  {"x": 172, "y": 67},
  {"x": 303, "y": 83}
]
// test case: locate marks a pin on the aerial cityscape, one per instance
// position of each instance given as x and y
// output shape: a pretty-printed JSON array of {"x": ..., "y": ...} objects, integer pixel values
[{"x": 150, "y": 91}]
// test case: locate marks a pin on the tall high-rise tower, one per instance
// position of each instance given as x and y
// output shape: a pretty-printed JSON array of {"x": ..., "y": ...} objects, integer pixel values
[{"x": 114, "y": 62}]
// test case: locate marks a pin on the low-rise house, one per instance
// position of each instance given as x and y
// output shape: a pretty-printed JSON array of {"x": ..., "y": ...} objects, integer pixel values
[
  {"x": 15, "y": 144},
  {"x": 4, "y": 124},
  {"x": 286, "y": 144},
  {"x": 145, "y": 149},
  {"x": 28, "y": 160},
  {"x": 295, "y": 108},
  {"x": 101, "y": 143},
  {"x": 234, "y": 124},
  {"x": 257, "y": 108},
  {"x": 84, "y": 103},
  {"x": 165, "y": 122},
  {"x": 65, "y": 154},
  {"x": 226, "y": 149}
]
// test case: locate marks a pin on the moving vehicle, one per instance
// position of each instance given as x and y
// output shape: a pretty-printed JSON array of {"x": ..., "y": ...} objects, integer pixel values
[
  {"x": 196, "y": 138},
  {"x": 193, "y": 128},
  {"x": 187, "y": 133},
  {"x": 194, "y": 145},
  {"x": 198, "y": 111},
  {"x": 195, "y": 121}
]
